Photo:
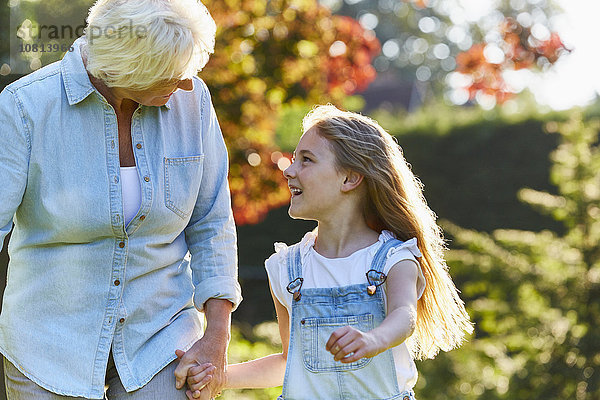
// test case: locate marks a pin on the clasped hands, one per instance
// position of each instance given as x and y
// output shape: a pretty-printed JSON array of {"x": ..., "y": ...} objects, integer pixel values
[{"x": 202, "y": 368}]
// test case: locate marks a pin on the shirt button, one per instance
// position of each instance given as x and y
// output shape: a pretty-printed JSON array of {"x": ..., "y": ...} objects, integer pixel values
[
  {"x": 139, "y": 145},
  {"x": 116, "y": 179},
  {"x": 121, "y": 244},
  {"x": 142, "y": 217},
  {"x": 147, "y": 178},
  {"x": 122, "y": 320},
  {"x": 117, "y": 282}
]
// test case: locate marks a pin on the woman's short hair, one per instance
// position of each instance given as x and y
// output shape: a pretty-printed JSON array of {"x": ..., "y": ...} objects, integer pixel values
[{"x": 143, "y": 43}]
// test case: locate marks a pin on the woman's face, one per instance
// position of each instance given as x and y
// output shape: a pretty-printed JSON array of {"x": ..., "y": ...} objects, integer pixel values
[{"x": 155, "y": 96}]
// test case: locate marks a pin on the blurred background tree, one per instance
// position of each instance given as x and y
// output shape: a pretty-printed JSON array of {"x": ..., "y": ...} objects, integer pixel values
[
  {"x": 425, "y": 42},
  {"x": 275, "y": 59},
  {"x": 533, "y": 295},
  {"x": 269, "y": 54}
]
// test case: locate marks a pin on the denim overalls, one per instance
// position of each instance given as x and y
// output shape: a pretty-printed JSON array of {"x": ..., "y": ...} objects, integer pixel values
[{"x": 311, "y": 372}]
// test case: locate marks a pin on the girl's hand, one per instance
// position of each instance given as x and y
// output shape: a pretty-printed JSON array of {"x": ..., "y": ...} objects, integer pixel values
[
  {"x": 198, "y": 377},
  {"x": 348, "y": 344}
]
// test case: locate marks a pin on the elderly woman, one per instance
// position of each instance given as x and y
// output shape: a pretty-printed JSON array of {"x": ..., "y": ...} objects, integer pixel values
[{"x": 123, "y": 234}]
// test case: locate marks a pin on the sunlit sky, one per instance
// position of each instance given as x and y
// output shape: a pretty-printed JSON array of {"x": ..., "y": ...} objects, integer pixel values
[
  {"x": 575, "y": 79},
  {"x": 572, "y": 81}
]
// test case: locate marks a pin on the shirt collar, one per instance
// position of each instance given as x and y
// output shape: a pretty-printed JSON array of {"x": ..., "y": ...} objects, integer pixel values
[{"x": 75, "y": 77}]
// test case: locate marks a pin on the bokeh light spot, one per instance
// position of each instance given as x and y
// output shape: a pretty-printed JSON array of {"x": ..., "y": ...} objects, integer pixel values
[
  {"x": 423, "y": 73},
  {"x": 369, "y": 21},
  {"x": 337, "y": 48},
  {"x": 254, "y": 159},
  {"x": 275, "y": 156},
  {"x": 441, "y": 51},
  {"x": 391, "y": 49},
  {"x": 283, "y": 163},
  {"x": 493, "y": 54},
  {"x": 427, "y": 24}
]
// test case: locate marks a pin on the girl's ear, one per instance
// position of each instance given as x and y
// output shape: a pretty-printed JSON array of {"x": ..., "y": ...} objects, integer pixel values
[{"x": 352, "y": 180}]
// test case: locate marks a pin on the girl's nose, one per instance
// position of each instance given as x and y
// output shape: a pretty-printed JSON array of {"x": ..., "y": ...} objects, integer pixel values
[{"x": 289, "y": 172}]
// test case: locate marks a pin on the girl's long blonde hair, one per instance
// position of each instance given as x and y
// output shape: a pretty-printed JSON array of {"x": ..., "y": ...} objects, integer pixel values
[{"x": 395, "y": 202}]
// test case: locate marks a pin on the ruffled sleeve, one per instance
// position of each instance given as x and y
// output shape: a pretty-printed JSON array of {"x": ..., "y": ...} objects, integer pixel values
[
  {"x": 276, "y": 267},
  {"x": 408, "y": 250},
  {"x": 276, "y": 271}
]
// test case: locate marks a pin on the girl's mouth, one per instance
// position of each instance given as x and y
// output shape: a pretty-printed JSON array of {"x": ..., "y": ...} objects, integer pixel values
[{"x": 295, "y": 191}]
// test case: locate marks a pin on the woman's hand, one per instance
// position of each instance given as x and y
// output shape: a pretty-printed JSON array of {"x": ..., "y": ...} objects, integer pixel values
[
  {"x": 348, "y": 344},
  {"x": 198, "y": 377},
  {"x": 211, "y": 348}
]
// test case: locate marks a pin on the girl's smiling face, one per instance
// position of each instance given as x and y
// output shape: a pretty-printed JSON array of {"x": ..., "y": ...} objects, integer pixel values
[{"x": 313, "y": 178}]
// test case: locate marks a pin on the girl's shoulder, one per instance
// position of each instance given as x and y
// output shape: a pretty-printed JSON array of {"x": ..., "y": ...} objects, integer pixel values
[
  {"x": 408, "y": 248},
  {"x": 279, "y": 258},
  {"x": 277, "y": 268}
]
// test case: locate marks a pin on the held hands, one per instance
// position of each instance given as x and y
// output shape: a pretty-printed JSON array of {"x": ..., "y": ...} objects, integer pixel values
[
  {"x": 198, "y": 377},
  {"x": 202, "y": 367},
  {"x": 348, "y": 344}
]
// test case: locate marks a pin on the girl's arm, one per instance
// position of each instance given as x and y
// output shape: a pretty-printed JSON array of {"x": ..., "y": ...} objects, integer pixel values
[
  {"x": 267, "y": 371},
  {"x": 397, "y": 326}
]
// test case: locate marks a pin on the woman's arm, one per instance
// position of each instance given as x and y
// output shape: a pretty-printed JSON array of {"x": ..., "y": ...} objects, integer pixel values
[
  {"x": 401, "y": 285},
  {"x": 267, "y": 371},
  {"x": 14, "y": 159}
]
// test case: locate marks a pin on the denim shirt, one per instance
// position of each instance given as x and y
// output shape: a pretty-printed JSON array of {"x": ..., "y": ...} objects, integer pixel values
[{"x": 80, "y": 282}]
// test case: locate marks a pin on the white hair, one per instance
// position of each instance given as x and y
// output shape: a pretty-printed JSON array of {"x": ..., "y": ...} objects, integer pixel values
[{"x": 139, "y": 44}]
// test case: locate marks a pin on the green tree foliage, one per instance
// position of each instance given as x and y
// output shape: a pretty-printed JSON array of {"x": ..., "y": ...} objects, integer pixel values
[{"x": 533, "y": 295}]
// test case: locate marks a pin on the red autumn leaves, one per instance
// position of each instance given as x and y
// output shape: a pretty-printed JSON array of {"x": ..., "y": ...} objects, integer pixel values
[{"x": 521, "y": 50}]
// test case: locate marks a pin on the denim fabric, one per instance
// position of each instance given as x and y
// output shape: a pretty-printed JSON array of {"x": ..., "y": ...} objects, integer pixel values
[
  {"x": 160, "y": 387},
  {"x": 311, "y": 372},
  {"x": 79, "y": 280}
]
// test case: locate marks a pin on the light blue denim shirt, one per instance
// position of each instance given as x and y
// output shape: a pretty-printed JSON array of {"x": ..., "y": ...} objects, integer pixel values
[{"x": 79, "y": 281}]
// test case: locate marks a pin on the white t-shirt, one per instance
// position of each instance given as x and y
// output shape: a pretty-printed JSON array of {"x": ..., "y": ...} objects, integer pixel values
[{"x": 320, "y": 271}]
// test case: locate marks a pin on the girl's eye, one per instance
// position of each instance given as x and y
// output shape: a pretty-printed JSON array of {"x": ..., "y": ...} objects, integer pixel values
[{"x": 306, "y": 159}]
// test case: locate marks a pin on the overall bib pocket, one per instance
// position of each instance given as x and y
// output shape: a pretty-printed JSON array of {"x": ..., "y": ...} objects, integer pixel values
[
  {"x": 316, "y": 333},
  {"x": 182, "y": 183}
]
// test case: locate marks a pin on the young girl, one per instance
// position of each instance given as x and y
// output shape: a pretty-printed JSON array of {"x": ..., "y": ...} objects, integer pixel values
[{"x": 367, "y": 291}]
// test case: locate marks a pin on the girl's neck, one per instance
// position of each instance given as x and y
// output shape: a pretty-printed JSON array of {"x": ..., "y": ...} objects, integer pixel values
[{"x": 341, "y": 239}]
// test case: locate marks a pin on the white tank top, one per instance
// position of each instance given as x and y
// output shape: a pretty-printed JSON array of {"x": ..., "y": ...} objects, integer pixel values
[{"x": 132, "y": 192}]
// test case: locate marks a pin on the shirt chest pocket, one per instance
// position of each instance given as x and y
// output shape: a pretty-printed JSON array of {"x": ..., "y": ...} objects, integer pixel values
[{"x": 183, "y": 176}]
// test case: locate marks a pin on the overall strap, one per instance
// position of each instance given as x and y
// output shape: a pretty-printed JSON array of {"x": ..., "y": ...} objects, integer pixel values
[
  {"x": 294, "y": 267},
  {"x": 380, "y": 257},
  {"x": 375, "y": 276}
]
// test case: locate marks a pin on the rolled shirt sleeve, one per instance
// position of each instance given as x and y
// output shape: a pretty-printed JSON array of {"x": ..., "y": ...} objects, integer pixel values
[
  {"x": 211, "y": 234},
  {"x": 14, "y": 159}
]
